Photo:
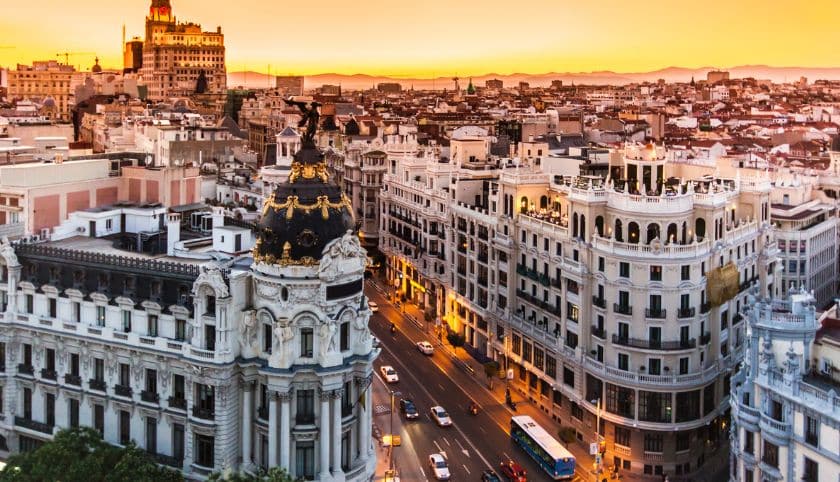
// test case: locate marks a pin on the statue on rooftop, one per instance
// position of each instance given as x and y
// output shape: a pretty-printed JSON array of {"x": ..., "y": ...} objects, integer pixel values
[{"x": 309, "y": 119}]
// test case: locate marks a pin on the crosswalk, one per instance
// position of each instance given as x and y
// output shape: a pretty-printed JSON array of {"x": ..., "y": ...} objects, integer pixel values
[{"x": 381, "y": 409}]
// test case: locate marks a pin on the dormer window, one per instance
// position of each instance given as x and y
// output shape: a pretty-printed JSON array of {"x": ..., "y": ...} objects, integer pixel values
[{"x": 210, "y": 308}]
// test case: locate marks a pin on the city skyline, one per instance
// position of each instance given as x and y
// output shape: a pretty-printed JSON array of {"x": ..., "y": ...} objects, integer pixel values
[{"x": 382, "y": 39}]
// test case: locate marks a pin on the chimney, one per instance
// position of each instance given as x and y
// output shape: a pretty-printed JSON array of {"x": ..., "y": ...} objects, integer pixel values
[{"x": 173, "y": 232}]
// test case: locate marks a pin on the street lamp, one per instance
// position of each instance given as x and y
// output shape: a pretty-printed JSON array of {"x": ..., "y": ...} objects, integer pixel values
[
  {"x": 391, "y": 431},
  {"x": 598, "y": 455}
]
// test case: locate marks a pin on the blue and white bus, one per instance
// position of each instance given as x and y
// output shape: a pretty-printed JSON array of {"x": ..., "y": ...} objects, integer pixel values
[{"x": 550, "y": 454}]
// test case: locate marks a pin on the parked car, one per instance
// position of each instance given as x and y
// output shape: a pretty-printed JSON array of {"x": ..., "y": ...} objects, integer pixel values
[
  {"x": 389, "y": 374},
  {"x": 425, "y": 347},
  {"x": 372, "y": 306},
  {"x": 408, "y": 409},
  {"x": 439, "y": 467},
  {"x": 490, "y": 476},
  {"x": 512, "y": 471},
  {"x": 440, "y": 416}
]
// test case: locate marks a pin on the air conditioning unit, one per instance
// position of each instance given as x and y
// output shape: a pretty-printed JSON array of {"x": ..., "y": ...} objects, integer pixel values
[{"x": 825, "y": 366}]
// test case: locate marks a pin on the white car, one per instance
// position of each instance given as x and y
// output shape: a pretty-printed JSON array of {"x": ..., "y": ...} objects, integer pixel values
[
  {"x": 389, "y": 374},
  {"x": 440, "y": 416},
  {"x": 439, "y": 466},
  {"x": 425, "y": 347},
  {"x": 373, "y": 307}
]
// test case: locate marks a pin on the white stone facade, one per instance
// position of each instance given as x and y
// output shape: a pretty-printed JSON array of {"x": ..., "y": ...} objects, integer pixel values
[{"x": 262, "y": 365}]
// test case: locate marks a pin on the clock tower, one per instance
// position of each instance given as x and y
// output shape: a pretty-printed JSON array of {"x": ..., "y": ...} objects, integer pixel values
[{"x": 160, "y": 11}]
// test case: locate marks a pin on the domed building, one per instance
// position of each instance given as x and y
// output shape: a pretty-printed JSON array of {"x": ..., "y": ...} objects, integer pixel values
[{"x": 255, "y": 354}]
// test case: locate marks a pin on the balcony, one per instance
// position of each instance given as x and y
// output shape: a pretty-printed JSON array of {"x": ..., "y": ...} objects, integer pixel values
[
  {"x": 33, "y": 425},
  {"x": 149, "y": 397},
  {"x": 705, "y": 307},
  {"x": 599, "y": 332},
  {"x": 122, "y": 390},
  {"x": 655, "y": 313},
  {"x": 705, "y": 338},
  {"x": 305, "y": 419},
  {"x": 168, "y": 460},
  {"x": 780, "y": 431},
  {"x": 177, "y": 403},
  {"x": 262, "y": 413},
  {"x": 203, "y": 413},
  {"x": 737, "y": 318},
  {"x": 25, "y": 369},
  {"x": 97, "y": 385},
  {"x": 49, "y": 374},
  {"x": 622, "y": 309},
  {"x": 599, "y": 302},
  {"x": 654, "y": 344},
  {"x": 71, "y": 379},
  {"x": 686, "y": 313}
]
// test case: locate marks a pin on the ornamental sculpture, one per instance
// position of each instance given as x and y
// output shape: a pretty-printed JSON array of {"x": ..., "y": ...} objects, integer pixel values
[{"x": 309, "y": 119}]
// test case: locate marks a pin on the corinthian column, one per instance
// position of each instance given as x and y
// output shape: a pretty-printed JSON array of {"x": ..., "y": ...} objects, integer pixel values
[
  {"x": 336, "y": 434},
  {"x": 324, "y": 435},
  {"x": 285, "y": 429}
]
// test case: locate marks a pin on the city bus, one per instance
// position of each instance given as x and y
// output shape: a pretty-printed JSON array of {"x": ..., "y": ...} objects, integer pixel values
[{"x": 550, "y": 454}]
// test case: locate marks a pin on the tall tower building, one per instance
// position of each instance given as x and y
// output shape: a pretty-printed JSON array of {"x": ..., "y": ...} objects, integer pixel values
[{"x": 177, "y": 55}]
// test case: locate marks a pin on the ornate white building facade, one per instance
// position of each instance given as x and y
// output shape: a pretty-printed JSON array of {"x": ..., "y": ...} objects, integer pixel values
[
  {"x": 207, "y": 361},
  {"x": 785, "y": 402},
  {"x": 626, "y": 290}
]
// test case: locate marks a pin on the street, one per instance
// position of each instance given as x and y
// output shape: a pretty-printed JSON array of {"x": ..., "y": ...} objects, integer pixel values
[{"x": 473, "y": 443}]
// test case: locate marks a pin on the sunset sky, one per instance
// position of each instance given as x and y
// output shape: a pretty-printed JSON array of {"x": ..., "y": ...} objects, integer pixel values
[{"x": 445, "y": 37}]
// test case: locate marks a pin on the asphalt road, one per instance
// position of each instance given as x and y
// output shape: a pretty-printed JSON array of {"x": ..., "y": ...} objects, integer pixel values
[{"x": 473, "y": 443}]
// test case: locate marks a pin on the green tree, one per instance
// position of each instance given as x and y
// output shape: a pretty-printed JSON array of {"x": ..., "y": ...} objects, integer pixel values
[
  {"x": 80, "y": 454},
  {"x": 491, "y": 370},
  {"x": 274, "y": 474},
  {"x": 455, "y": 339}
]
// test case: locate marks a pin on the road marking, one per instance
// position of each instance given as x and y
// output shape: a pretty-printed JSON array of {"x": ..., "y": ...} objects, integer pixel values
[
  {"x": 482, "y": 429},
  {"x": 466, "y": 452},
  {"x": 429, "y": 395},
  {"x": 459, "y": 444},
  {"x": 447, "y": 441},
  {"x": 465, "y": 468},
  {"x": 507, "y": 456},
  {"x": 441, "y": 387},
  {"x": 437, "y": 445}
]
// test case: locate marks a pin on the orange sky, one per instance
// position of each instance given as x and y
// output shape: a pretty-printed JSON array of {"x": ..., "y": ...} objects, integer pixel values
[{"x": 445, "y": 37}]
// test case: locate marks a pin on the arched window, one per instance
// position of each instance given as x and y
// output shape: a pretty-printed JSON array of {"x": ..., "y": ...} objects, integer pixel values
[
  {"x": 544, "y": 202},
  {"x": 700, "y": 228},
  {"x": 574, "y": 225},
  {"x": 523, "y": 205},
  {"x": 633, "y": 232},
  {"x": 582, "y": 226},
  {"x": 619, "y": 235},
  {"x": 672, "y": 233},
  {"x": 599, "y": 225},
  {"x": 683, "y": 236}
]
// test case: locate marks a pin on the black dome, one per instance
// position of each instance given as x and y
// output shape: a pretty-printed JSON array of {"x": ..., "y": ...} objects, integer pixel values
[{"x": 303, "y": 214}]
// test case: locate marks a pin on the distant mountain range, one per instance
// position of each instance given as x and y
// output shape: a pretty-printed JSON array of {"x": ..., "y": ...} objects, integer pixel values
[{"x": 670, "y": 74}]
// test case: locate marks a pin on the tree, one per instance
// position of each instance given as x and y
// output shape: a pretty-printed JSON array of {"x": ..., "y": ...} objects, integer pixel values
[
  {"x": 80, "y": 454},
  {"x": 455, "y": 339},
  {"x": 274, "y": 474},
  {"x": 491, "y": 370}
]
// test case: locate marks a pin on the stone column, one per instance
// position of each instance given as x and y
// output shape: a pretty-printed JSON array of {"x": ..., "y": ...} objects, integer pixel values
[
  {"x": 336, "y": 433},
  {"x": 324, "y": 435},
  {"x": 247, "y": 423},
  {"x": 367, "y": 421},
  {"x": 272, "y": 430},
  {"x": 285, "y": 430}
]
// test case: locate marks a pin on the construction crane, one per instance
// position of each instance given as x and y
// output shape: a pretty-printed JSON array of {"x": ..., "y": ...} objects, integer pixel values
[{"x": 67, "y": 55}]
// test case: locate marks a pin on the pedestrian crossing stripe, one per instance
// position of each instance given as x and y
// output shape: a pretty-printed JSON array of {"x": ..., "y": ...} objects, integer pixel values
[{"x": 380, "y": 409}]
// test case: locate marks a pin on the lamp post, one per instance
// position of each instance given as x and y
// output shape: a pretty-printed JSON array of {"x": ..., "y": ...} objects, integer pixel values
[
  {"x": 391, "y": 431},
  {"x": 598, "y": 461}
]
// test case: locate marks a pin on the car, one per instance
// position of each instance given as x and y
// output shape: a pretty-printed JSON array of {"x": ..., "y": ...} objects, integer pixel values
[
  {"x": 375, "y": 342},
  {"x": 389, "y": 374},
  {"x": 490, "y": 476},
  {"x": 440, "y": 416},
  {"x": 425, "y": 347},
  {"x": 408, "y": 409},
  {"x": 512, "y": 471},
  {"x": 373, "y": 307},
  {"x": 439, "y": 467}
]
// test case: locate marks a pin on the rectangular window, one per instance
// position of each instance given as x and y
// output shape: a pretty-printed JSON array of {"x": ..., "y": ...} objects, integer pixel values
[
  {"x": 49, "y": 409},
  {"x": 180, "y": 329},
  {"x": 152, "y": 325},
  {"x": 568, "y": 377},
  {"x": 100, "y": 316},
  {"x": 126, "y": 321},
  {"x": 620, "y": 400},
  {"x": 653, "y": 442},
  {"x": 624, "y": 269},
  {"x": 601, "y": 264},
  {"x": 812, "y": 431},
  {"x": 178, "y": 441},
  {"x": 749, "y": 443},
  {"x": 770, "y": 454},
  {"x": 683, "y": 441},
  {"x": 655, "y": 273},
  {"x": 623, "y": 362},
  {"x": 654, "y": 366},
  {"x": 209, "y": 337},
  {"x": 684, "y": 366},
  {"x": 178, "y": 387},
  {"x": 204, "y": 451},
  {"x": 151, "y": 380},
  {"x": 125, "y": 375},
  {"x": 125, "y": 427},
  {"x": 655, "y": 406},
  {"x": 685, "y": 272},
  {"x": 305, "y": 460},
  {"x": 622, "y": 436},
  {"x": 30, "y": 304},
  {"x": 811, "y": 472},
  {"x": 306, "y": 342},
  {"x": 99, "y": 369},
  {"x": 53, "y": 307},
  {"x": 206, "y": 395},
  {"x": 305, "y": 406},
  {"x": 99, "y": 419},
  {"x": 73, "y": 411},
  {"x": 687, "y": 406},
  {"x": 151, "y": 435}
]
